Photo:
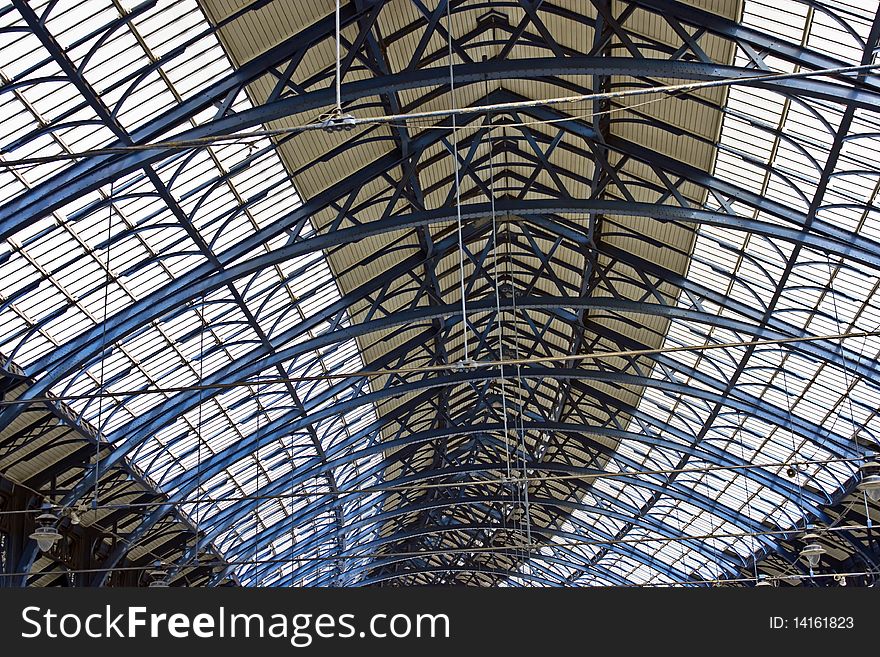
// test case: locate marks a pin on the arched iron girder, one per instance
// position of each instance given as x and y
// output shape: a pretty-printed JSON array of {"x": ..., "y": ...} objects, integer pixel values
[
  {"x": 570, "y": 558},
  {"x": 620, "y": 511},
  {"x": 55, "y": 363},
  {"x": 714, "y": 456},
  {"x": 540, "y": 580},
  {"x": 274, "y": 433},
  {"x": 439, "y": 570},
  {"x": 74, "y": 72},
  {"x": 340, "y": 455},
  {"x": 284, "y": 423},
  {"x": 133, "y": 327},
  {"x": 186, "y": 401},
  {"x": 582, "y": 130},
  {"x": 573, "y": 560},
  {"x": 821, "y": 353},
  {"x": 676, "y": 366},
  {"x": 87, "y": 177},
  {"x": 282, "y": 486},
  {"x": 622, "y": 548},
  {"x": 677, "y": 491},
  {"x": 711, "y": 455},
  {"x": 296, "y": 44},
  {"x": 546, "y": 532},
  {"x": 80, "y": 179},
  {"x": 318, "y": 506},
  {"x": 347, "y": 235},
  {"x": 366, "y": 525}
]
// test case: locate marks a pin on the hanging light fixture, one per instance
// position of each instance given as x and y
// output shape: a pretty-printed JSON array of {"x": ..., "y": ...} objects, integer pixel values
[
  {"x": 869, "y": 482},
  {"x": 763, "y": 581},
  {"x": 813, "y": 550},
  {"x": 157, "y": 576},
  {"x": 46, "y": 534}
]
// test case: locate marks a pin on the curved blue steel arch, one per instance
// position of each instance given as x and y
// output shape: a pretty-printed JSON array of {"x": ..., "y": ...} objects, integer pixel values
[
  {"x": 855, "y": 363},
  {"x": 51, "y": 195},
  {"x": 572, "y": 557},
  {"x": 326, "y": 240},
  {"x": 177, "y": 300},
  {"x": 526, "y": 304},
  {"x": 715, "y": 456},
  {"x": 489, "y": 499},
  {"x": 403, "y": 318},
  {"x": 411, "y": 317},
  {"x": 305, "y": 514},
  {"x": 173, "y": 301},
  {"x": 626, "y": 514},
  {"x": 575, "y": 432},
  {"x": 393, "y": 487},
  {"x": 621, "y": 548}
]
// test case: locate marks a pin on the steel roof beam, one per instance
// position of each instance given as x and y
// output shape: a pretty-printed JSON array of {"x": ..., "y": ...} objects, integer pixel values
[{"x": 81, "y": 179}]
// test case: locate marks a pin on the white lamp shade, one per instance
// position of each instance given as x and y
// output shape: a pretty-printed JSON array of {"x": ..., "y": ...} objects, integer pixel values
[
  {"x": 45, "y": 537},
  {"x": 870, "y": 484},
  {"x": 812, "y": 553}
]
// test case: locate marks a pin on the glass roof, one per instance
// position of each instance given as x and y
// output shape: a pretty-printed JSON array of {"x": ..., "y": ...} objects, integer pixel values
[{"x": 81, "y": 85}]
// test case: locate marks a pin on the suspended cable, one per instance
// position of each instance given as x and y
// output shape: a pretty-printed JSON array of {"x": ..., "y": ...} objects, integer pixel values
[
  {"x": 456, "y": 167},
  {"x": 499, "y": 323},
  {"x": 532, "y": 547},
  {"x": 204, "y": 328},
  {"x": 338, "y": 61},
  {"x": 442, "y": 367},
  {"x": 256, "y": 456},
  {"x": 336, "y": 120},
  {"x": 794, "y": 448},
  {"x": 848, "y": 388},
  {"x": 351, "y": 122},
  {"x": 516, "y": 479},
  {"x": 748, "y": 504},
  {"x": 499, "y": 318},
  {"x": 100, "y": 435}
]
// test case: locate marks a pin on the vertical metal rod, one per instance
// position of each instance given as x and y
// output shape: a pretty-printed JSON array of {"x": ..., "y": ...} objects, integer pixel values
[
  {"x": 338, "y": 60},
  {"x": 456, "y": 165}
]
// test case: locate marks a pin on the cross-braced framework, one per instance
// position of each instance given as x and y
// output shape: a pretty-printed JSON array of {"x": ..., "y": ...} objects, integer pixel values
[{"x": 285, "y": 331}]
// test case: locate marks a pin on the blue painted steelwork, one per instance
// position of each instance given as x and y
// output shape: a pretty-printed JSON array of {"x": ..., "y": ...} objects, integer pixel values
[{"x": 554, "y": 236}]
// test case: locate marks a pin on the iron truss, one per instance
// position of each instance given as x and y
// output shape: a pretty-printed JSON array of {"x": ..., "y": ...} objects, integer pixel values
[
  {"x": 239, "y": 280},
  {"x": 40, "y": 458}
]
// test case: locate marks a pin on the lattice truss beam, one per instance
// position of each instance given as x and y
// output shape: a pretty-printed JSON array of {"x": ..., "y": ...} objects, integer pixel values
[{"x": 257, "y": 268}]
